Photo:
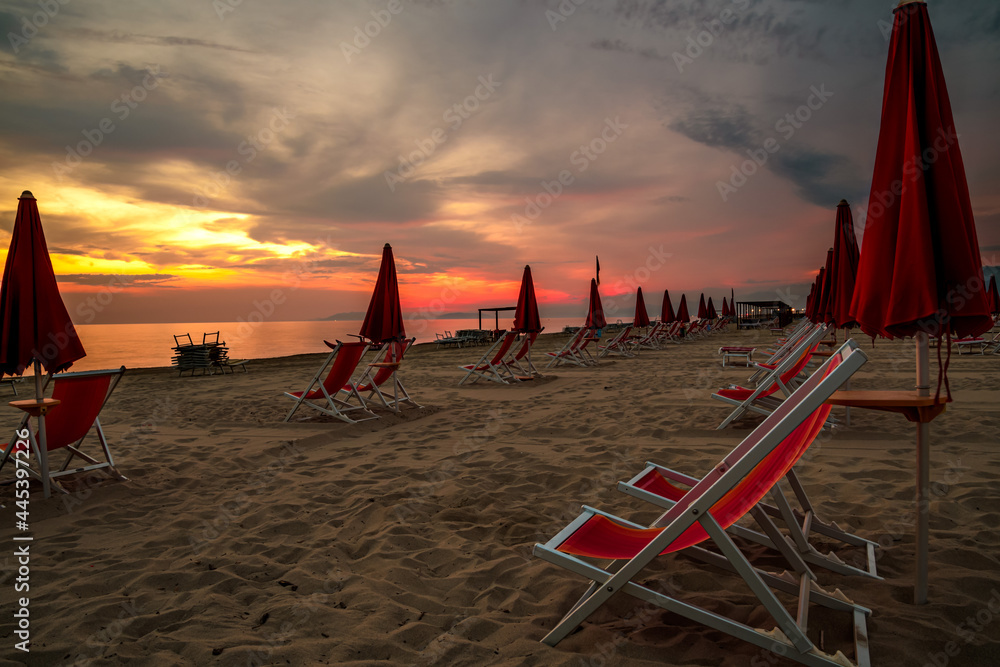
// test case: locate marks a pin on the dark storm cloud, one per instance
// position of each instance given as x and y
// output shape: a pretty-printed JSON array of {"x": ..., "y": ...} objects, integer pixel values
[{"x": 821, "y": 177}]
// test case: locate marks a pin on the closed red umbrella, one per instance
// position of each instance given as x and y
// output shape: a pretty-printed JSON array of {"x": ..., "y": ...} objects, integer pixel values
[
  {"x": 994, "y": 296},
  {"x": 595, "y": 312},
  {"x": 641, "y": 318},
  {"x": 817, "y": 317},
  {"x": 845, "y": 268},
  {"x": 682, "y": 310},
  {"x": 725, "y": 307},
  {"x": 702, "y": 308},
  {"x": 809, "y": 301},
  {"x": 920, "y": 251},
  {"x": 823, "y": 309},
  {"x": 920, "y": 271},
  {"x": 384, "y": 319},
  {"x": 526, "y": 317},
  {"x": 713, "y": 314},
  {"x": 36, "y": 327},
  {"x": 667, "y": 314}
]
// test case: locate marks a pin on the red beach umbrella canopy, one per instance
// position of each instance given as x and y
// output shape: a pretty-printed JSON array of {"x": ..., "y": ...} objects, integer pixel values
[
  {"x": 526, "y": 316},
  {"x": 725, "y": 307},
  {"x": 994, "y": 296},
  {"x": 845, "y": 268},
  {"x": 702, "y": 308},
  {"x": 823, "y": 311},
  {"x": 682, "y": 310},
  {"x": 920, "y": 267},
  {"x": 809, "y": 302},
  {"x": 667, "y": 312},
  {"x": 35, "y": 322},
  {"x": 384, "y": 320},
  {"x": 595, "y": 314},
  {"x": 712, "y": 313},
  {"x": 641, "y": 318},
  {"x": 817, "y": 311}
]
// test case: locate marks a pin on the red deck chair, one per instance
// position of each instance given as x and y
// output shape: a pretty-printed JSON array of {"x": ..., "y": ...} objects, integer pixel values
[
  {"x": 491, "y": 365},
  {"x": 323, "y": 395},
  {"x": 83, "y": 396},
  {"x": 521, "y": 360},
  {"x": 620, "y": 344},
  {"x": 574, "y": 351},
  {"x": 783, "y": 376},
  {"x": 730, "y": 491},
  {"x": 378, "y": 373}
]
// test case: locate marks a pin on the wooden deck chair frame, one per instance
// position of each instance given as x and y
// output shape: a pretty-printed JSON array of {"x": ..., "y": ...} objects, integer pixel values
[
  {"x": 618, "y": 345},
  {"x": 329, "y": 384},
  {"x": 378, "y": 373},
  {"x": 491, "y": 365},
  {"x": 73, "y": 444},
  {"x": 790, "y": 637},
  {"x": 762, "y": 399}
]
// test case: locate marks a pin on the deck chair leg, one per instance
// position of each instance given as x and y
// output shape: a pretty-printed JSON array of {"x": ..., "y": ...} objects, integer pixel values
[
  {"x": 312, "y": 383},
  {"x": 749, "y": 574},
  {"x": 779, "y": 542},
  {"x": 799, "y": 533}
]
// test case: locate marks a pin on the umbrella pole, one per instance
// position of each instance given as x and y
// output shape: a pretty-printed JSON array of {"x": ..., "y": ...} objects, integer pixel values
[
  {"x": 43, "y": 448},
  {"x": 395, "y": 380},
  {"x": 923, "y": 473}
]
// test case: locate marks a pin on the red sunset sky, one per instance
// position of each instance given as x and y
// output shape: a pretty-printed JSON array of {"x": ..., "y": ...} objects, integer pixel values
[{"x": 191, "y": 159}]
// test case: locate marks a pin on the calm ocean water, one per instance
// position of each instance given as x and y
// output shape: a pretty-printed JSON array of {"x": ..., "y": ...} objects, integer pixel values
[{"x": 149, "y": 345}]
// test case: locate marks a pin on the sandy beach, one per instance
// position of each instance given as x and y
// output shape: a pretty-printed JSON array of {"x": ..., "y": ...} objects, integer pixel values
[{"x": 241, "y": 540}]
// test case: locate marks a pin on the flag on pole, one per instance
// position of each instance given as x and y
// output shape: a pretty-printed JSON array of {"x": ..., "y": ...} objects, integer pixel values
[{"x": 598, "y": 276}]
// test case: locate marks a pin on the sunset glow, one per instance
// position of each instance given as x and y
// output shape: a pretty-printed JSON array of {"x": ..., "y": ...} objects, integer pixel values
[{"x": 200, "y": 160}]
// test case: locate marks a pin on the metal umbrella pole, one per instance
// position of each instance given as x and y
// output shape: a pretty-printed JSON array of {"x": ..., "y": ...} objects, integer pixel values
[
  {"x": 43, "y": 448},
  {"x": 923, "y": 473}
]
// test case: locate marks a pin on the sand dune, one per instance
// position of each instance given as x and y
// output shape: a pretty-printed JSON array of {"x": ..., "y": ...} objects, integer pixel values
[{"x": 240, "y": 540}]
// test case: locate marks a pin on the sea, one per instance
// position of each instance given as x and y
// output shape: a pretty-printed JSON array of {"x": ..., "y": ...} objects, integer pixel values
[{"x": 150, "y": 345}]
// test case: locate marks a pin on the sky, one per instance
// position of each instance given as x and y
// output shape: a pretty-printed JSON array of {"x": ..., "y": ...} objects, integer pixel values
[{"x": 204, "y": 160}]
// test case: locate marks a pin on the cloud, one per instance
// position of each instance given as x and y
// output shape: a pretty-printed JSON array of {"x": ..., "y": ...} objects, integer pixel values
[
  {"x": 173, "y": 190},
  {"x": 116, "y": 281}
]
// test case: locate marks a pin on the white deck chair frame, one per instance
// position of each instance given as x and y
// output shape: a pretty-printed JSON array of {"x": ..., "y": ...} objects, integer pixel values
[
  {"x": 793, "y": 643},
  {"x": 619, "y": 344},
  {"x": 400, "y": 396},
  {"x": 485, "y": 369},
  {"x": 74, "y": 451},
  {"x": 335, "y": 406},
  {"x": 766, "y": 405}
]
